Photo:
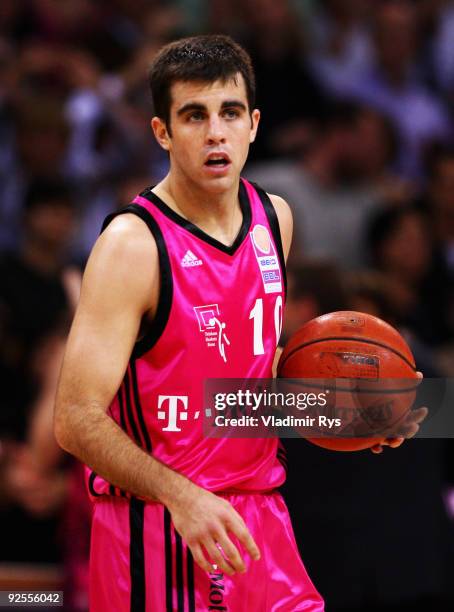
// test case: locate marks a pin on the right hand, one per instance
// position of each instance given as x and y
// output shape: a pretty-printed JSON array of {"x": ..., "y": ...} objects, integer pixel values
[{"x": 204, "y": 521}]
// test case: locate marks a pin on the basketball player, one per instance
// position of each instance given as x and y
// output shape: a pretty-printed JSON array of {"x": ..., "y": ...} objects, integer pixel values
[{"x": 184, "y": 284}]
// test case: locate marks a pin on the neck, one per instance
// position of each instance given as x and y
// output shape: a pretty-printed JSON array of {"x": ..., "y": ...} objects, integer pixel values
[{"x": 216, "y": 213}]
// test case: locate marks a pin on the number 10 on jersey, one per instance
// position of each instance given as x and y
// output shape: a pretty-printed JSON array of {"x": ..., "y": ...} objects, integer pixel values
[{"x": 257, "y": 315}]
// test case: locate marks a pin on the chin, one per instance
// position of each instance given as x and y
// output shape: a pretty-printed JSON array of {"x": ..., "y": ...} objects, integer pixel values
[{"x": 219, "y": 184}]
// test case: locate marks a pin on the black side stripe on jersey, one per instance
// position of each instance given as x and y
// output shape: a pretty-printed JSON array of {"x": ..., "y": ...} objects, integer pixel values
[
  {"x": 132, "y": 422},
  {"x": 122, "y": 409},
  {"x": 179, "y": 572},
  {"x": 168, "y": 554},
  {"x": 190, "y": 578},
  {"x": 91, "y": 485},
  {"x": 275, "y": 229},
  {"x": 143, "y": 427},
  {"x": 137, "y": 555},
  {"x": 159, "y": 322}
]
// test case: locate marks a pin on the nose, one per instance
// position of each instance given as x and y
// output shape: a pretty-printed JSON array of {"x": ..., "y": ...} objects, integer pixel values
[{"x": 215, "y": 131}]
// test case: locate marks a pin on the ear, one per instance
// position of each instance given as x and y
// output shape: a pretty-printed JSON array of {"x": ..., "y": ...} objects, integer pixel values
[
  {"x": 255, "y": 118},
  {"x": 160, "y": 132}
]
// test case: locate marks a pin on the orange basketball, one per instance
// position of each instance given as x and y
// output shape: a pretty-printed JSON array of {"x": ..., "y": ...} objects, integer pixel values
[{"x": 374, "y": 372}]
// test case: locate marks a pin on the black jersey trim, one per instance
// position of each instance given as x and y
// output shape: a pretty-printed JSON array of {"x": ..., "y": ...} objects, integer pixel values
[
  {"x": 275, "y": 228},
  {"x": 91, "y": 485},
  {"x": 168, "y": 556},
  {"x": 159, "y": 322},
  {"x": 137, "y": 555},
  {"x": 190, "y": 578},
  {"x": 130, "y": 411},
  {"x": 122, "y": 408},
  {"x": 139, "y": 411},
  {"x": 245, "y": 206},
  {"x": 179, "y": 571}
]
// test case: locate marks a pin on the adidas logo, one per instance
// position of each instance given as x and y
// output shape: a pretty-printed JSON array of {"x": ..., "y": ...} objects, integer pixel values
[{"x": 190, "y": 260}]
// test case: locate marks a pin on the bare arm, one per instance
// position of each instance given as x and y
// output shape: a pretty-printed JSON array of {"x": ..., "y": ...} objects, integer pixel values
[
  {"x": 284, "y": 215},
  {"x": 120, "y": 286}
]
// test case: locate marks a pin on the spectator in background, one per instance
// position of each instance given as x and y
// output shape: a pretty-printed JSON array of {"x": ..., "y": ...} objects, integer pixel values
[
  {"x": 439, "y": 201},
  {"x": 437, "y": 22},
  {"x": 340, "y": 45},
  {"x": 335, "y": 186},
  {"x": 287, "y": 96},
  {"x": 313, "y": 287},
  {"x": 65, "y": 120},
  {"x": 41, "y": 137},
  {"x": 34, "y": 312},
  {"x": 403, "y": 249},
  {"x": 392, "y": 86},
  {"x": 225, "y": 17}
]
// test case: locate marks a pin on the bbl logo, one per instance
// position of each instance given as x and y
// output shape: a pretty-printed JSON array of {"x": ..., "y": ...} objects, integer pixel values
[{"x": 267, "y": 259}]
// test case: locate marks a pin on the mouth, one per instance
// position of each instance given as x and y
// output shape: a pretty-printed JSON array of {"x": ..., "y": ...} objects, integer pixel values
[{"x": 217, "y": 161}]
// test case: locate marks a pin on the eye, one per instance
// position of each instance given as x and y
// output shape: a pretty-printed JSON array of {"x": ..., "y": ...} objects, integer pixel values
[
  {"x": 231, "y": 113},
  {"x": 195, "y": 116}
]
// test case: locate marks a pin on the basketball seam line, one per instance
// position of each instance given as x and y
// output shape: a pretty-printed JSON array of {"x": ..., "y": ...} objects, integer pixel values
[
  {"x": 297, "y": 381},
  {"x": 365, "y": 340}
]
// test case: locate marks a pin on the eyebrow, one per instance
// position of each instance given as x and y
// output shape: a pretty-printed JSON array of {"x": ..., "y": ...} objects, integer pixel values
[{"x": 194, "y": 106}]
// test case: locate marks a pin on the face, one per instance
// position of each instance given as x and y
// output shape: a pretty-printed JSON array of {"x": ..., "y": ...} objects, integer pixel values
[{"x": 211, "y": 131}]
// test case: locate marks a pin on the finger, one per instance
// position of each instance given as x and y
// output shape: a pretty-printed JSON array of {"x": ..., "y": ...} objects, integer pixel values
[
  {"x": 419, "y": 414},
  {"x": 395, "y": 442},
  {"x": 239, "y": 528},
  {"x": 406, "y": 431},
  {"x": 376, "y": 449},
  {"x": 420, "y": 376},
  {"x": 232, "y": 553},
  {"x": 215, "y": 555},
  {"x": 200, "y": 558},
  {"x": 410, "y": 427}
]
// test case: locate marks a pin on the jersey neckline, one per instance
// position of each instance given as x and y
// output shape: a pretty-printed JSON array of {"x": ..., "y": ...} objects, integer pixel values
[{"x": 245, "y": 206}]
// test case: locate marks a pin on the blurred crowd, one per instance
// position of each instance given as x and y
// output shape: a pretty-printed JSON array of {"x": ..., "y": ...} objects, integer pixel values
[{"x": 357, "y": 133}]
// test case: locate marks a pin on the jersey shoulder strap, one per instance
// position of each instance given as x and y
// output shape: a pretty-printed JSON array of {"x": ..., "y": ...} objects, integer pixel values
[{"x": 159, "y": 322}]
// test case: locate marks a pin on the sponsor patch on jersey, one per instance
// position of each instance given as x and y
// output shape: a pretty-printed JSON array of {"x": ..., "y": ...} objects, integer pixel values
[
  {"x": 267, "y": 259},
  {"x": 190, "y": 260}
]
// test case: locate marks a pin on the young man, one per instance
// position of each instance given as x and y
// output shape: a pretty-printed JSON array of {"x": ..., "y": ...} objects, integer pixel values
[{"x": 177, "y": 290}]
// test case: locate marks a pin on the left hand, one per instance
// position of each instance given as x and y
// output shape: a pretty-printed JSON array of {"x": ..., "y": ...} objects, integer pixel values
[{"x": 408, "y": 429}]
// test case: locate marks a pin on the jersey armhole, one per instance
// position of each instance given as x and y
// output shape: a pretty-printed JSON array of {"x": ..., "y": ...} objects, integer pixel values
[
  {"x": 159, "y": 322},
  {"x": 275, "y": 228}
]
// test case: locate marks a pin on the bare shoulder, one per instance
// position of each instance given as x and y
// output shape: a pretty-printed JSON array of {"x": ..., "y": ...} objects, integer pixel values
[
  {"x": 123, "y": 261},
  {"x": 129, "y": 235},
  {"x": 285, "y": 217},
  {"x": 280, "y": 205}
]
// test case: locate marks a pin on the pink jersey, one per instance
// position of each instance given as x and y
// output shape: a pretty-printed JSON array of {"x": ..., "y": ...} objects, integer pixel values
[{"x": 219, "y": 316}]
